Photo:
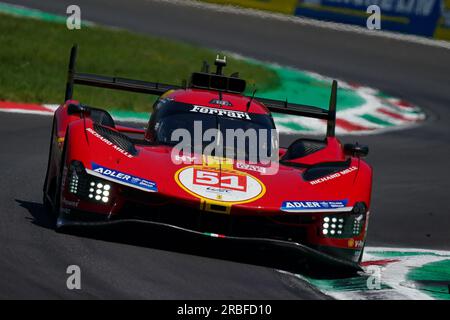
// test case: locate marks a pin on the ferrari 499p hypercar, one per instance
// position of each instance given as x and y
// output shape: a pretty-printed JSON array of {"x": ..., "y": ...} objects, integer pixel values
[{"x": 313, "y": 196}]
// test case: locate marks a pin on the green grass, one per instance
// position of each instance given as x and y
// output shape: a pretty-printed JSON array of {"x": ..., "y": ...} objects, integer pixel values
[{"x": 34, "y": 56}]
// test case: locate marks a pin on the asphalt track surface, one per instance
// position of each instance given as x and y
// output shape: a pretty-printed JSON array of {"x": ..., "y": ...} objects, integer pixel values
[{"x": 410, "y": 200}]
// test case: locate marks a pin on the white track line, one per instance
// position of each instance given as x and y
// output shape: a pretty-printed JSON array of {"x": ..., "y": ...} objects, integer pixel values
[{"x": 229, "y": 9}]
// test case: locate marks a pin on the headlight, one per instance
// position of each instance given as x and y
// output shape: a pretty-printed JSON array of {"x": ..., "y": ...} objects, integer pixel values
[
  {"x": 99, "y": 191},
  {"x": 88, "y": 187},
  {"x": 76, "y": 171},
  {"x": 346, "y": 225}
]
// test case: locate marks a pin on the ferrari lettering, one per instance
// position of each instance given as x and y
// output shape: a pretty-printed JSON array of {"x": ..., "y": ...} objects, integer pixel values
[{"x": 221, "y": 112}]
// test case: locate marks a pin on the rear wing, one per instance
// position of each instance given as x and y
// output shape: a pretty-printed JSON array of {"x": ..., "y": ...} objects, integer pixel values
[
  {"x": 93, "y": 80},
  {"x": 307, "y": 111},
  {"x": 203, "y": 80}
]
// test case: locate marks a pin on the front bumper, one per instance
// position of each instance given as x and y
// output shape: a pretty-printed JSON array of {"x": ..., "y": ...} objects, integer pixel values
[
  {"x": 317, "y": 257},
  {"x": 302, "y": 232}
]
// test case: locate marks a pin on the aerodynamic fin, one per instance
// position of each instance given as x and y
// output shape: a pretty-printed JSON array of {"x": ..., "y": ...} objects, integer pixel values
[
  {"x": 286, "y": 107},
  {"x": 93, "y": 80}
]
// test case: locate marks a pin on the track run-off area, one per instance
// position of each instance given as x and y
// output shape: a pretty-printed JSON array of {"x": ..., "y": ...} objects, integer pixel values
[{"x": 411, "y": 180}]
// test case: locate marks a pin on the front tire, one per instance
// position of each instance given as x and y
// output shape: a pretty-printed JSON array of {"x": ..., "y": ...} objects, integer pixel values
[
  {"x": 59, "y": 219},
  {"x": 45, "y": 194}
]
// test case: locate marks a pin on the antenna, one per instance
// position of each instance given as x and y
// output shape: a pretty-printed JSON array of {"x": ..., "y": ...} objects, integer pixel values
[
  {"x": 220, "y": 64},
  {"x": 331, "y": 122},
  {"x": 205, "y": 67},
  {"x": 251, "y": 99}
]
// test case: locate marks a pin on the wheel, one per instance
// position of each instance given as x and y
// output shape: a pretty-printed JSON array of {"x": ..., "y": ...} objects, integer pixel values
[
  {"x": 57, "y": 201},
  {"x": 45, "y": 201}
]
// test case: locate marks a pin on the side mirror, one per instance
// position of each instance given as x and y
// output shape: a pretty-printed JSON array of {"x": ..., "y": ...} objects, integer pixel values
[
  {"x": 74, "y": 108},
  {"x": 357, "y": 150}
]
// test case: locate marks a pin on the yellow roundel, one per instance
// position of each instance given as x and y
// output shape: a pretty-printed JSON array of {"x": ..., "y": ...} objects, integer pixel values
[{"x": 221, "y": 187}]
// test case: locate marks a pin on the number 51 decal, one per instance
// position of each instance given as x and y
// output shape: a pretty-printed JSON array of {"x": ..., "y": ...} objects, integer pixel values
[{"x": 223, "y": 180}]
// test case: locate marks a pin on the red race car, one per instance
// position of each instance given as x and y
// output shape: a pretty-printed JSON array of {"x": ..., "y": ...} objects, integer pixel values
[{"x": 313, "y": 196}]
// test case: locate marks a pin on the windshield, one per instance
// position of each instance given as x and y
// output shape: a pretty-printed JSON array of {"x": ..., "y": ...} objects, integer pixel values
[{"x": 236, "y": 134}]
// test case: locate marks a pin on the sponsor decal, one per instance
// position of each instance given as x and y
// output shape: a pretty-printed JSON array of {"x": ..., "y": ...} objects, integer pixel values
[
  {"x": 219, "y": 187},
  {"x": 124, "y": 178},
  {"x": 250, "y": 167},
  {"x": 185, "y": 159},
  {"x": 304, "y": 206},
  {"x": 70, "y": 203},
  {"x": 221, "y": 102},
  {"x": 357, "y": 244},
  {"x": 222, "y": 112},
  {"x": 217, "y": 162},
  {"x": 109, "y": 143},
  {"x": 334, "y": 175}
]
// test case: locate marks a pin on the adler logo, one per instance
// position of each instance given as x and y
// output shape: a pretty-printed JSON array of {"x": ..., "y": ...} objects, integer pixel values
[
  {"x": 306, "y": 205},
  {"x": 123, "y": 178},
  {"x": 314, "y": 205}
]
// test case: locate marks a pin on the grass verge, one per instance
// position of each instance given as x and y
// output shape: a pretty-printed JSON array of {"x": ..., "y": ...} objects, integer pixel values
[{"x": 34, "y": 56}]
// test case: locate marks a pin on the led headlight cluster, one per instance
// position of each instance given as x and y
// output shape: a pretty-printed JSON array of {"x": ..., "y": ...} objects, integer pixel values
[
  {"x": 73, "y": 183},
  {"x": 86, "y": 186},
  {"x": 76, "y": 177},
  {"x": 345, "y": 225},
  {"x": 359, "y": 211},
  {"x": 357, "y": 224},
  {"x": 99, "y": 191},
  {"x": 332, "y": 225}
]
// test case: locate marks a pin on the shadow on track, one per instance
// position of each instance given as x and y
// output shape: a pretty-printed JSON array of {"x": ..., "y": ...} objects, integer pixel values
[
  {"x": 39, "y": 215},
  {"x": 148, "y": 236}
]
